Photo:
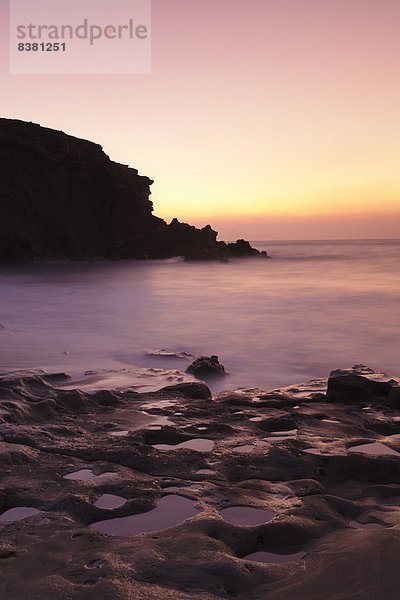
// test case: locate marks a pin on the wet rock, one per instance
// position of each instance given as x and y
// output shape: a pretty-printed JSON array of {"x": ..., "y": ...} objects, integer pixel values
[
  {"x": 206, "y": 367},
  {"x": 358, "y": 369},
  {"x": 168, "y": 354},
  {"x": 306, "y": 487},
  {"x": 107, "y": 398},
  {"x": 281, "y": 424},
  {"x": 197, "y": 391},
  {"x": 393, "y": 399},
  {"x": 126, "y": 480},
  {"x": 353, "y": 389},
  {"x": 54, "y": 378},
  {"x": 384, "y": 427}
]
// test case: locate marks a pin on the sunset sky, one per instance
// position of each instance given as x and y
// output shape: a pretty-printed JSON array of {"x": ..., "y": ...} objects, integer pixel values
[{"x": 270, "y": 119}]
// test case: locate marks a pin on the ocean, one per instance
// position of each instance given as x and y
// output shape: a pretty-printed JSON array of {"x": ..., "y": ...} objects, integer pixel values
[{"x": 313, "y": 307}]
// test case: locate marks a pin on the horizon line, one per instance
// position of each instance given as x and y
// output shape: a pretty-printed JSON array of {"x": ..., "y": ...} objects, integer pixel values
[{"x": 253, "y": 241}]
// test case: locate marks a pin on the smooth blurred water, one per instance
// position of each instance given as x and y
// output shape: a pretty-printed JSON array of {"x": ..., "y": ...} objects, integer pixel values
[{"x": 314, "y": 307}]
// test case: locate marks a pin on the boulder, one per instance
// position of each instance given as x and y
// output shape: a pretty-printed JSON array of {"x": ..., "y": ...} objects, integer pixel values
[
  {"x": 393, "y": 399},
  {"x": 206, "y": 367},
  {"x": 197, "y": 391},
  {"x": 355, "y": 389}
]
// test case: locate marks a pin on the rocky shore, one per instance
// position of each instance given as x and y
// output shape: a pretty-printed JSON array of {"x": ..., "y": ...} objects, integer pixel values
[
  {"x": 252, "y": 494},
  {"x": 62, "y": 198}
]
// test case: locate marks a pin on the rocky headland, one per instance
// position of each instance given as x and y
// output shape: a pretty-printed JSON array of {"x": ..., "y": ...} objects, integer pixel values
[
  {"x": 62, "y": 198},
  {"x": 250, "y": 494}
]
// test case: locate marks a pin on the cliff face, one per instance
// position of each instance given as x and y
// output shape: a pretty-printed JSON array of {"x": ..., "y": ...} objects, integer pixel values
[{"x": 63, "y": 198}]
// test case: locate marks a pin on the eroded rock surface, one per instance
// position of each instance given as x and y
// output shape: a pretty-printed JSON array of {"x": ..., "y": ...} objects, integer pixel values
[{"x": 326, "y": 520}]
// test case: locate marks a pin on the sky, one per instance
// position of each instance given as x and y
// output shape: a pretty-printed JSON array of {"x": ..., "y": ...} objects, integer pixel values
[{"x": 268, "y": 119}]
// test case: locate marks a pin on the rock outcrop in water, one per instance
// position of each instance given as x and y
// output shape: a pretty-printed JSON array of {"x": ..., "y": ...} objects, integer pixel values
[
  {"x": 63, "y": 198},
  {"x": 207, "y": 367}
]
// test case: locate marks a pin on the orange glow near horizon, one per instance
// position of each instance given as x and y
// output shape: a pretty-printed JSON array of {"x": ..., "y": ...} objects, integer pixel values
[{"x": 274, "y": 116}]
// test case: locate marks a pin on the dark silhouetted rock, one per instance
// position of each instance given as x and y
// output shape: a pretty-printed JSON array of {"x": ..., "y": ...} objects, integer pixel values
[
  {"x": 63, "y": 198},
  {"x": 353, "y": 389},
  {"x": 206, "y": 367},
  {"x": 242, "y": 248}
]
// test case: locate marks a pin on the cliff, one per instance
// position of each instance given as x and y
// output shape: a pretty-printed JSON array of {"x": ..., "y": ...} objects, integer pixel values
[{"x": 63, "y": 198}]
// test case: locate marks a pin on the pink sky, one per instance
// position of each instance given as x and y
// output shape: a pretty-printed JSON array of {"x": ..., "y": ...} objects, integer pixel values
[{"x": 267, "y": 118}]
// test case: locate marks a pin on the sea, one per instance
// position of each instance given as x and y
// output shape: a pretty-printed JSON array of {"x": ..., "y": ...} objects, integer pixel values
[{"x": 312, "y": 307}]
